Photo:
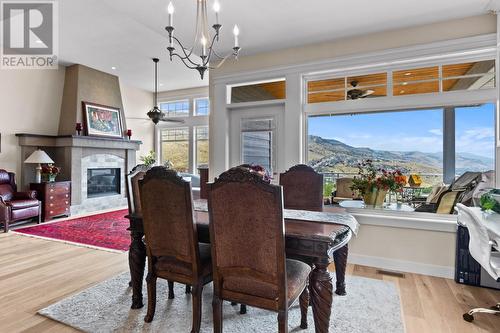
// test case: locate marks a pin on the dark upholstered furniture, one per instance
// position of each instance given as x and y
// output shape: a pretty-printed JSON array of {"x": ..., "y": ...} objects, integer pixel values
[
  {"x": 248, "y": 248},
  {"x": 16, "y": 207},
  {"x": 171, "y": 236},
  {"x": 302, "y": 188}
]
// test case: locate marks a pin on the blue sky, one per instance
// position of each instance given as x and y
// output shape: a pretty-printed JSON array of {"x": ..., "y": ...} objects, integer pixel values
[{"x": 420, "y": 130}]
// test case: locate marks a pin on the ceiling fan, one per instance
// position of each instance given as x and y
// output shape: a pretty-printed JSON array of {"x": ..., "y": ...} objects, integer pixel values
[
  {"x": 156, "y": 114},
  {"x": 356, "y": 93}
]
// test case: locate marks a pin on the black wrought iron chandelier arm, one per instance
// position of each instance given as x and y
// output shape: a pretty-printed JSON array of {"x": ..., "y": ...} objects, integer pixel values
[{"x": 189, "y": 64}]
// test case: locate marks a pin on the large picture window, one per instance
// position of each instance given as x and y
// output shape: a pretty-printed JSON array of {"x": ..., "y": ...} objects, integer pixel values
[{"x": 411, "y": 141}]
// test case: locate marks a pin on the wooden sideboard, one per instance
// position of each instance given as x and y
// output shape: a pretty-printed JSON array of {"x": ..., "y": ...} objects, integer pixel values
[{"x": 55, "y": 198}]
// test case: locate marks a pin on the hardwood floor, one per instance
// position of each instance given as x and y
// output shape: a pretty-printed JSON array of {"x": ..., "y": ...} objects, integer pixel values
[{"x": 35, "y": 273}]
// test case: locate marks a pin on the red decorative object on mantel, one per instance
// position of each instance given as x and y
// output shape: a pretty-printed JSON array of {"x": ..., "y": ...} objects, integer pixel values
[
  {"x": 79, "y": 128},
  {"x": 129, "y": 133}
]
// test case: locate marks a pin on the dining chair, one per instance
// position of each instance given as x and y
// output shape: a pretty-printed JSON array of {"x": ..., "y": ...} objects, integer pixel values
[
  {"x": 247, "y": 234},
  {"x": 171, "y": 236},
  {"x": 302, "y": 188},
  {"x": 135, "y": 210}
]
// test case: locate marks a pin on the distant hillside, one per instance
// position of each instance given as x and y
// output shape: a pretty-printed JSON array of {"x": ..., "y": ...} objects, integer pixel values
[{"x": 328, "y": 155}]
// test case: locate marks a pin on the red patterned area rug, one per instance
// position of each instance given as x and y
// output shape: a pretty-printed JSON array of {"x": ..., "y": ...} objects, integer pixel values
[{"x": 107, "y": 231}]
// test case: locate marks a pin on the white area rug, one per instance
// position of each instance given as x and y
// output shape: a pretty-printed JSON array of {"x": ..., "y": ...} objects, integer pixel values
[{"x": 370, "y": 306}]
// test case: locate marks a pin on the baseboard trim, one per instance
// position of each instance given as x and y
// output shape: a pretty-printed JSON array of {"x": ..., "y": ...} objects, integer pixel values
[{"x": 402, "y": 266}]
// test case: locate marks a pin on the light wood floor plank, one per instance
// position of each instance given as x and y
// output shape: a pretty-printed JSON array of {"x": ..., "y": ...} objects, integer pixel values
[{"x": 35, "y": 273}]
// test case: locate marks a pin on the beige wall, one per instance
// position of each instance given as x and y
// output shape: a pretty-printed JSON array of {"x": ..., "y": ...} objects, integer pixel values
[
  {"x": 30, "y": 102},
  {"x": 183, "y": 93},
  {"x": 466, "y": 27},
  {"x": 136, "y": 103}
]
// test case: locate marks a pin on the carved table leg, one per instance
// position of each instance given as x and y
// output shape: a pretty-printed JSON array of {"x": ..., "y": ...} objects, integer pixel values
[
  {"x": 137, "y": 262},
  {"x": 340, "y": 259},
  {"x": 321, "y": 293}
]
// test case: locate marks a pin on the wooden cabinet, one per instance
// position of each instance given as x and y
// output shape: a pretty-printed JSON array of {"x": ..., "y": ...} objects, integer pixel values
[{"x": 55, "y": 198}]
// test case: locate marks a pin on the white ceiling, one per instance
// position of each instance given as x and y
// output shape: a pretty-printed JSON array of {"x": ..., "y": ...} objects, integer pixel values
[{"x": 128, "y": 33}]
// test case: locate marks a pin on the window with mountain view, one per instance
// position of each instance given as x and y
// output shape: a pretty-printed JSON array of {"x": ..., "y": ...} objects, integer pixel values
[{"x": 411, "y": 141}]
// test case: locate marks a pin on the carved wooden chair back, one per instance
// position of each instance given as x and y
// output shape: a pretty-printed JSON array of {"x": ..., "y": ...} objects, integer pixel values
[
  {"x": 302, "y": 188},
  {"x": 167, "y": 213},
  {"x": 133, "y": 194},
  {"x": 247, "y": 236}
]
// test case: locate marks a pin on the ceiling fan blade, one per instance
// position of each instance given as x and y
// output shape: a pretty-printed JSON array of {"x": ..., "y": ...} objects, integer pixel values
[
  {"x": 179, "y": 121},
  {"x": 367, "y": 93}
]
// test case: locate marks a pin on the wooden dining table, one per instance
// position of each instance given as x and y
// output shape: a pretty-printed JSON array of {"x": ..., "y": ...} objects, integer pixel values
[{"x": 313, "y": 237}]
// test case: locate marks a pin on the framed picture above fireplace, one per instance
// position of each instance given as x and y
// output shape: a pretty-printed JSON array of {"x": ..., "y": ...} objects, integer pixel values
[{"x": 101, "y": 120}]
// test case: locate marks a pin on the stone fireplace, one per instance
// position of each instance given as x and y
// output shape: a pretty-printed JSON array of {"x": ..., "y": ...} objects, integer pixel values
[
  {"x": 96, "y": 166},
  {"x": 97, "y": 163}
]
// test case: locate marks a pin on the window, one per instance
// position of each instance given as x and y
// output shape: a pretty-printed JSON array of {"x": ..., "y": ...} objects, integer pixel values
[
  {"x": 347, "y": 88},
  {"x": 474, "y": 138},
  {"x": 411, "y": 141},
  {"x": 175, "y": 148},
  {"x": 258, "y": 92},
  {"x": 469, "y": 76},
  {"x": 421, "y": 80},
  {"x": 201, "y": 146},
  {"x": 257, "y": 142},
  {"x": 416, "y": 81},
  {"x": 175, "y": 109},
  {"x": 201, "y": 107}
]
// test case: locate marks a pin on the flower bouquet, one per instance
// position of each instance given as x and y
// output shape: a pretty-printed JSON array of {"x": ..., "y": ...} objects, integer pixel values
[
  {"x": 373, "y": 183},
  {"x": 50, "y": 172}
]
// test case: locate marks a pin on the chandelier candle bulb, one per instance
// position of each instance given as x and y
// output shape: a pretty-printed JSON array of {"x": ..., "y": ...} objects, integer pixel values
[
  {"x": 170, "y": 10},
  {"x": 216, "y": 10},
  {"x": 204, "y": 46},
  {"x": 236, "y": 32}
]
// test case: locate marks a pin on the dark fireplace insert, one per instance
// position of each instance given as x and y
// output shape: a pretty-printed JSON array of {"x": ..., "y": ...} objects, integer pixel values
[{"x": 103, "y": 182}]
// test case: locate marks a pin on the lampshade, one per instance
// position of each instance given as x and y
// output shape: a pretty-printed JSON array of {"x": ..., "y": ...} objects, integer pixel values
[{"x": 39, "y": 156}]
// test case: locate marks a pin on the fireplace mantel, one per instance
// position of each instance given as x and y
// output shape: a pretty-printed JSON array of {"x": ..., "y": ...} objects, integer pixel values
[{"x": 37, "y": 140}]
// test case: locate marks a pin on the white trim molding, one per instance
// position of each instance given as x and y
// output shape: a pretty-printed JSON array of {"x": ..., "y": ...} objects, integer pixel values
[{"x": 447, "y": 272}]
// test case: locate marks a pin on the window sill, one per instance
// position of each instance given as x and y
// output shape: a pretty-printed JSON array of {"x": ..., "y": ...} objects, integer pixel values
[{"x": 407, "y": 220}]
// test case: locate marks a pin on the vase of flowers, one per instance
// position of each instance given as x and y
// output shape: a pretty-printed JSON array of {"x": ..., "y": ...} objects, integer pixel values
[
  {"x": 374, "y": 184},
  {"x": 50, "y": 172}
]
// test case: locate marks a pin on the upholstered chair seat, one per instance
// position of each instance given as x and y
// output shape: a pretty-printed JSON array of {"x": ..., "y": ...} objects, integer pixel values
[{"x": 297, "y": 274}]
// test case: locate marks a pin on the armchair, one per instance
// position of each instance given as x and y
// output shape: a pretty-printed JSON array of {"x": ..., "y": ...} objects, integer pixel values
[{"x": 16, "y": 207}]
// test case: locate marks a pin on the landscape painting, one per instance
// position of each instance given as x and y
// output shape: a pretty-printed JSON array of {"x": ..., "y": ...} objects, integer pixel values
[{"x": 102, "y": 120}]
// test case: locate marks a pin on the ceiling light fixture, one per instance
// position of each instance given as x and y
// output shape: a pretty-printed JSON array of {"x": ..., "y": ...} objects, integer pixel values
[
  {"x": 155, "y": 114},
  {"x": 203, "y": 43},
  {"x": 113, "y": 68}
]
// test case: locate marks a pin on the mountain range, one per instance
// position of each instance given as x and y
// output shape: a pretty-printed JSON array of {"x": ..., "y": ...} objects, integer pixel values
[{"x": 329, "y": 155}]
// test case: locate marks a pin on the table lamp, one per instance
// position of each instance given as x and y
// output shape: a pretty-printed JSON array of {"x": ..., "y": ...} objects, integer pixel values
[{"x": 39, "y": 157}]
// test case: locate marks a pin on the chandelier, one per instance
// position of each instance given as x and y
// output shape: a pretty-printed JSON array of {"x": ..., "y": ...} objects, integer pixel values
[{"x": 203, "y": 44}]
